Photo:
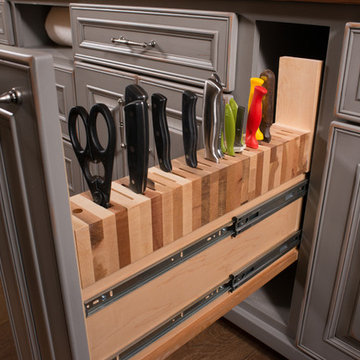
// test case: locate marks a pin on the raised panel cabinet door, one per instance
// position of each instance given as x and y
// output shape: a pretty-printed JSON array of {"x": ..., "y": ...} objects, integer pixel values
[
  {"x": 96, "y": 84},
  {"x": 6, "y": 31},
  {"x": 37, "y": 253},
  {"x": 330, "y": 327},
  {"x": 65, "y": 90},
  {"x": 348, "y": 97},
  {"x": 73, "y": 170}
]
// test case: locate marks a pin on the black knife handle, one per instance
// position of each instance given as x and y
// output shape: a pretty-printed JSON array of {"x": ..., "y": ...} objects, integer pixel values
[
  {"x": 135, "y": 92},
  {"x": 189, "y": 128},
  {"x": 137, "y": 142},
  {"x": 161, "y": 131}
]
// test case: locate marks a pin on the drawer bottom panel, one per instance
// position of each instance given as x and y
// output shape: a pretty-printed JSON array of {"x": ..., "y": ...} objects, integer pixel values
[{"x": 131, "y": 318}]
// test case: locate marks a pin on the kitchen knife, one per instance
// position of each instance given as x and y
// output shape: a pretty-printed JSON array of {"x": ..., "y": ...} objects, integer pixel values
[
  {"x": 229, "y": 130},
  {"x": 254, "y": 81},
  {"x": 137, "y": 136},
  {"x": 161, "y": 131},
  {"x": 189, "y": 128},
  {"x": 254, "y": 117},
  {"x": 213, "y": 118},
  {"x": 239, "y": 143},
  {"x": 268, "y": 103}
]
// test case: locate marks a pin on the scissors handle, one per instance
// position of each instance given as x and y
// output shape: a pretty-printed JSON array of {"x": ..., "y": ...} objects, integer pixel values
[{"x": 100, "y": 186}]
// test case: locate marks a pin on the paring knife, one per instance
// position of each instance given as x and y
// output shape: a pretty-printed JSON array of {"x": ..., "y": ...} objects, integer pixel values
[
  {"x": 189, "y": 128},
  {"x": 161, "y": 131},
  {"x": 213, "y": 118},
  {"x": 137, "y": 136},
  {"x": 268, "y": 103}
]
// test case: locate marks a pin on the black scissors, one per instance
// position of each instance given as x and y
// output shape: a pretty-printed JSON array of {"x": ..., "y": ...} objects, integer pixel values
[{"x": 100, "y": 186}]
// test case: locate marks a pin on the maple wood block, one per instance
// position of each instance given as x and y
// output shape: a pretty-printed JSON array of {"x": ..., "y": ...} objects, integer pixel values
[
  {"x": 298, "y": 93},
  {"x": 180, "y": 169},
  {"x": 103, "y": 251},
  {"x": 134, "y": 225},
  {"x": 182, "y": 201}
]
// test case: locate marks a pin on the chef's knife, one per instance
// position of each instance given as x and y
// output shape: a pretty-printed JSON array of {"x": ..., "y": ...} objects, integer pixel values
[
  {"x": 137, "y": 136},
  {"x": 268, "y": 103},
  {"x": 213, "y": 118},
  {"x": 189, "y": 128},
  {"x": 161, "y": 131}
]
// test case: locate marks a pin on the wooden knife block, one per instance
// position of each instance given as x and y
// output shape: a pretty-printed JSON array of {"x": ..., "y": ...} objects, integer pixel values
[{"x": 182, "y": 201}]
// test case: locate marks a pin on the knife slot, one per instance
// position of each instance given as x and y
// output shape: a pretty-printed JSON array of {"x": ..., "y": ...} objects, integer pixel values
[
  {"x": 122, "y": 194},
  {"x": 166, "y": 178},
  {"x": 178, "y": 174},
  {"x": 189, "y": 170},
  {"x": 207, "y": 165},
  {"x": 156, "y": 181}
]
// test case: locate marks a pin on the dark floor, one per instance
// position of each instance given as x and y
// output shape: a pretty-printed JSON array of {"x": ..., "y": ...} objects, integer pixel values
[{"x": 224, "y": 341}]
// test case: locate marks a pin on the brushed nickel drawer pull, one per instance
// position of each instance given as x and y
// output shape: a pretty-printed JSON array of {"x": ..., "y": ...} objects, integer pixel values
[
  {"x": 11, "y": 96},
  {"x": 123, "y": 40}
]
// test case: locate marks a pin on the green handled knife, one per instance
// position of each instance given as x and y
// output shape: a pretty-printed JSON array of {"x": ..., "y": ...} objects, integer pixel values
[{"x": 229, "y": 130}]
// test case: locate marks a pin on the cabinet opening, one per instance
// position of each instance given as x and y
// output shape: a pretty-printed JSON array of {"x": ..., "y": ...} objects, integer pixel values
[
  {"x": 44, "y": 27},
  {"x": 287, "y": 39}
]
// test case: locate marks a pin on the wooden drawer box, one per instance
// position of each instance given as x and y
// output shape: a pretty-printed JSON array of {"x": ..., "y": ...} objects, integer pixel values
[
  {"x": 190, "y": 45},
  {"x": 348, "y": 97},
  {"x": 133, "y": 294}
]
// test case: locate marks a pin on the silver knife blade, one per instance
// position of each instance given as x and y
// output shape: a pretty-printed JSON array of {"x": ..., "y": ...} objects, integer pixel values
[{"x": 212, "y": 118}]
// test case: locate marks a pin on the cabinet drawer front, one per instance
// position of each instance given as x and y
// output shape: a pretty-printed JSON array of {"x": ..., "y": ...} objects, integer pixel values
[
  {"x": 65, "y": 90},
  {"x": 348, "y": 98},
  {"x": 173, "y": 93},
  {"x": 6, "y": 33},
  {"x": 190, "y": 45}
]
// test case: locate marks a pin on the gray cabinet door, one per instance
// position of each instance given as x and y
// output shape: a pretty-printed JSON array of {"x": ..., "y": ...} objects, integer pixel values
[
  {"x": 37, "y": 254},
  {"x": 65, "y": 90},
  {"x": 73, "y": 170},
  {"x": 96, "y": 84},
  {"x": 6, "y": 32},
  {"x": 348, "y": 97},
  {"x": 330, "y": 328}
]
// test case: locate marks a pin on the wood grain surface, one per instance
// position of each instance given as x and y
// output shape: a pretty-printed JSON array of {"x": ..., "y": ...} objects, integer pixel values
[
  {"x": 181, "y": 201},
  {"x": 147, "y": 307}
]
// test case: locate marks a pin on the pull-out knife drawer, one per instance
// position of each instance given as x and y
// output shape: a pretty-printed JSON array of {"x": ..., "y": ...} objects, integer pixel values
[
  {"x": 180, "y": 45},
  {"x": 152, "y": 306}
]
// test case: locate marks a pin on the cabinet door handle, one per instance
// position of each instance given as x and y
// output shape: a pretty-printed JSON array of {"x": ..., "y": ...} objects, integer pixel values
[
  {"x": 12, "y": 96},
  {"x": 123, "y": 40}
]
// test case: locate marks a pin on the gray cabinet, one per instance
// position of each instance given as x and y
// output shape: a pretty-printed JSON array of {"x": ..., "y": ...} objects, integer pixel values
[
  {"x": 330, "y": 329},
  {"x": 173, "y": 92},
  {"x": 6, "y": 31},
  {"x": 73, "y": 170},
  {"x": 348, "y": 99},
  {"x": 97, "y": 84}
]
